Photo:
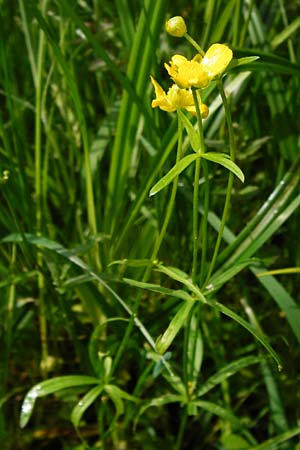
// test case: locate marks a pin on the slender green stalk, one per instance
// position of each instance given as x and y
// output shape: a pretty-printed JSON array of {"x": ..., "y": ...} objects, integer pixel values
[
  {"x": 194, "y": 44},
  {"x": 38, "y": 192},
  {"x": 9, "y": 320},
  {"x": 232, "y": 147},
  {"x": 236, "y": 23},
  {"x": 246, "y": 23},
  {"x": 155, "y": 251},
  {"x": 182, "y": 426},
  {"x": 289, "y": 41},
  {"x": 170, "y": 208},
  {"x": 197, "y": 101},
  {"x": 28, "y": 40},
  {"x": 204, "y": 222}
]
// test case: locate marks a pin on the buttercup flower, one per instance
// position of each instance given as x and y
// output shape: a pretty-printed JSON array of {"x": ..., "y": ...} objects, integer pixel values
[
  {"x": 175, "y": 98},
  {"x": 176, "y": 26},
  {"x": 200, "y": 70},
  {"x": 187, "y": 74}
]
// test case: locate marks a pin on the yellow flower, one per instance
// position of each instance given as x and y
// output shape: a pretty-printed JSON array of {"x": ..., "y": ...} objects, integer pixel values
[
  {"x": 199, "y": 71},
  {"x": 175, "y": 98},
  {"x": 176, "y": 26},
  {"x": 187, "y": 74}
]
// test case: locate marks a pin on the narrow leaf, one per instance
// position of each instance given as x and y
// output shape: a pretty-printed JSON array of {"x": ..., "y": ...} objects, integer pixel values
[
  {"x": 286, "y": 33},
  {"x": 159, "y": 401},
  {"x": 191, "y": 131},
  {"x": 49, "y": 387},
  {"x": 273, "y": 443},
  {"x": 164, "y": 341},
  {"x": 219, "y": 411},
  {"x": 224, "y": 160},
  {"x": 226, "y": 372},
  {"x": 287, "y": 270},
  {"x": 260, "y": 337},
  {"x": 242, "y": 61},
  {"x": 174, "y": 172},
  {"x": 117, "y": 395},
  {"x": 84, "y": 403}
]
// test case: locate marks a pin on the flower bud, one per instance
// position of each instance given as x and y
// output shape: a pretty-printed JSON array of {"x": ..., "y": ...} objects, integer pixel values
[{"x": 176, "y": 26}]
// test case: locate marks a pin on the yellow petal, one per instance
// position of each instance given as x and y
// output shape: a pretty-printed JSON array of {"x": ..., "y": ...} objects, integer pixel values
[
  {"x": 187, "y": 74},
  {"x": 178, "y": 59},
  {"x": 216, "y": 59},
  {"x": 159, "y": 92},
  {"x": 180, "y": 98},
  {"x": 203, "y": 110}
]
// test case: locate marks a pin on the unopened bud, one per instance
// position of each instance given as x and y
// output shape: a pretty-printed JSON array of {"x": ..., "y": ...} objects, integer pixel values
[{"x": 176, "y": 26}]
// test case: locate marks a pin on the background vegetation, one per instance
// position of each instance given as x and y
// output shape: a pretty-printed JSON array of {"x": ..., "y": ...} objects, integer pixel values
[{"x": 80, "y": 148}]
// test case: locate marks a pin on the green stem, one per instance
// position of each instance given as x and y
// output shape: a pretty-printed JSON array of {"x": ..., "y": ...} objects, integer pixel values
[
  {"x": 204, "y": 222},
  {"x": 197, "y": 102},
  {"x": 232, "y": 147},
  {"x": 172, "y": 198},
  {"x": 182, "y": 426},
  {"x": 195, "y": 219},
  {"x": 38, "y": 191},
  {"x": 194, "y": 44},
  {"x": 155, "y": 251}
]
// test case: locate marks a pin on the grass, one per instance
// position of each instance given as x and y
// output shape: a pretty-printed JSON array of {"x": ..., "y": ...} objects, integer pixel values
[{"x": 119, "y": 329}]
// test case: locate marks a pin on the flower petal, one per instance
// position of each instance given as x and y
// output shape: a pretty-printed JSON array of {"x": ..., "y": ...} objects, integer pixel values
[
  {"x": 216, "y": 59},
  {"x": 159, "y": 92}
]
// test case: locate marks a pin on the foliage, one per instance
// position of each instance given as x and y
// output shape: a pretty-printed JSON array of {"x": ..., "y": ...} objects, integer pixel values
[{"x": 118, "y": 328}]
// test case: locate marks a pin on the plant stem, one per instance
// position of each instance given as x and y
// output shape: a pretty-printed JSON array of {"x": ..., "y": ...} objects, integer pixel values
[
  {"x": 172, "y": 198},
  {"x": 232, "y": 147},
  {"x": 194, "y": 44},
  {"x": 154, "y": 252},
  {"x": 38, "y": 192},
  {"x": 197, "y": 102},
  {"x": 183, "y": 421}
]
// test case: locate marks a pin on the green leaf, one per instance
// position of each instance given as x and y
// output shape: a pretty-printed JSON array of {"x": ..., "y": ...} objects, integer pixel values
[
  {"x": 164, "y": 341},
  {"x": 60, "y": 250},
  {"x": 174, "y": 172},
  {"x": 224, "y": 160},
  {"x": 226, "y": 372},
  {"x": 191, "y": 131},
  {"x": 159, "y": 401},
  {"x": 117, "y": 395},
  {"x": 287, "y": 270},
  {"x": 234, "y": 442},
  {"x": 178, "y": 293},
  {"x": 49, "y": 387},
  {"x": 194, "y": 348},
  {"x": 84, "y": 403},
  {"x": 286, "y": 33},
  {"x": 172, "y": 273},
  {"x": 219, "y": 411},
  {"x": 272, "y": 444},
  {"x": 241, "y": 62},
  {"x": 182, "y": 277},
  {"x": 259, "y": 336}
]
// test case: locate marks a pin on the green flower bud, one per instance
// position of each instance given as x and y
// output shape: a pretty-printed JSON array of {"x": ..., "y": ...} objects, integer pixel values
[{"x": 176, "y": 26}]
